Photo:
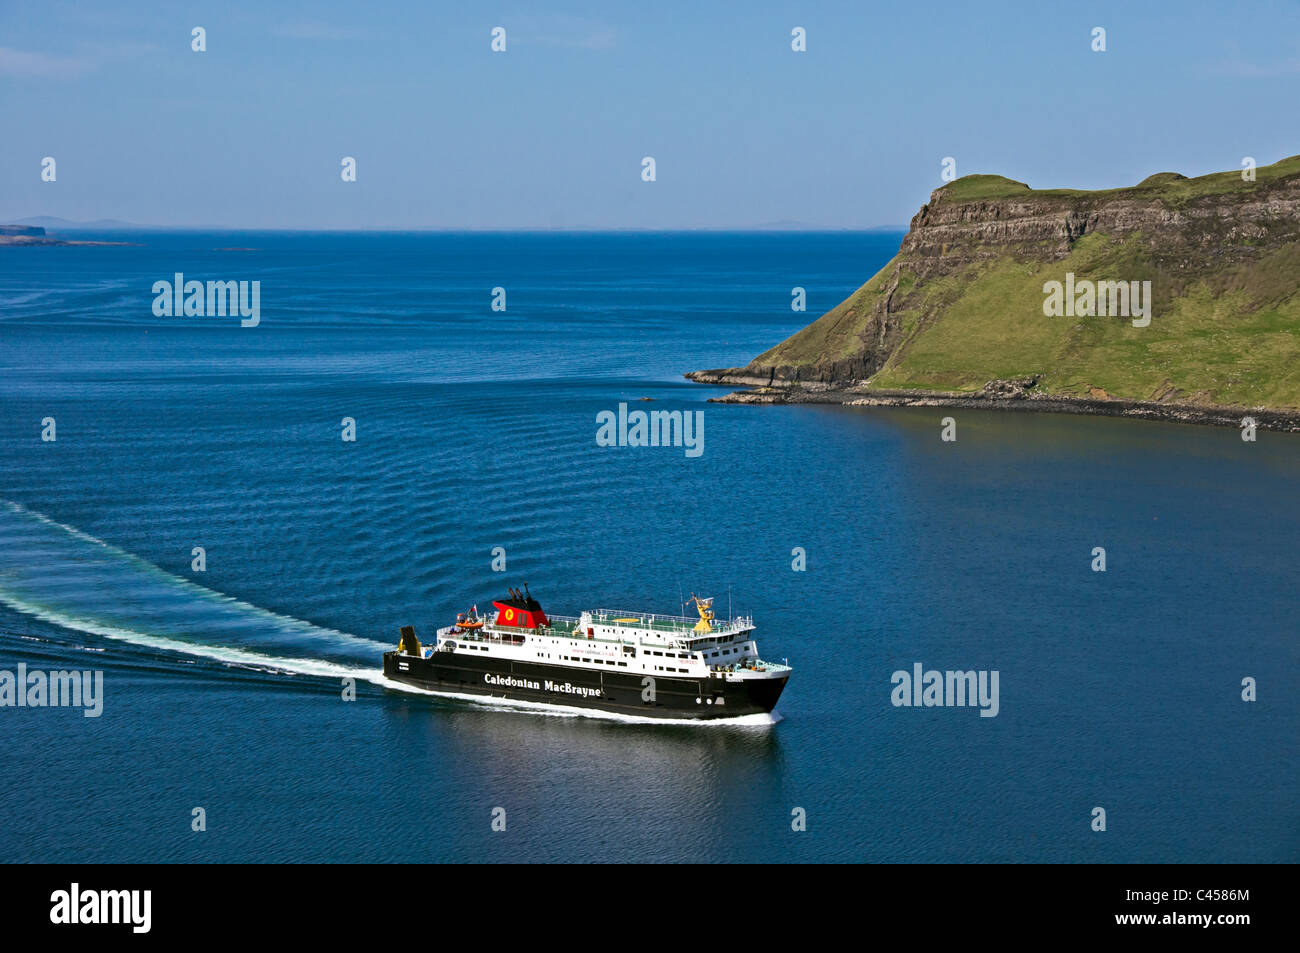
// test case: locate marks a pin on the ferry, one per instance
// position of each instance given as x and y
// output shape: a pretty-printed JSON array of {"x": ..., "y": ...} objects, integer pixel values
[{"x": 628, "y": 663}]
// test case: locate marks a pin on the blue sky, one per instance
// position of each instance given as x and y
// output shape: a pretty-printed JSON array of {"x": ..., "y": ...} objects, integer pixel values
[{"x": 551, "y": 133}]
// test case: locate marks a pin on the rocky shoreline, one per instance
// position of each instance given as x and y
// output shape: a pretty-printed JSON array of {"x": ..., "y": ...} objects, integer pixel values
[{"x": 1018, "y": 395}]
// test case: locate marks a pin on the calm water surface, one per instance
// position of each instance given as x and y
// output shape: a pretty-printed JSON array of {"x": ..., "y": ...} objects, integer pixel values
[{"x": 476, "y": 430}]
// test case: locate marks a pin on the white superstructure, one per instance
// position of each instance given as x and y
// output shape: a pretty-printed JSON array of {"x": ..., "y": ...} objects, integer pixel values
[{"x": 631, "y": 642}]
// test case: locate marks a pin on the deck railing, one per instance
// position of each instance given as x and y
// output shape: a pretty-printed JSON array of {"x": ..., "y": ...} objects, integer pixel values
[
  {"x": 567, "y": 629},
  {"x": 682, "y": 625}
]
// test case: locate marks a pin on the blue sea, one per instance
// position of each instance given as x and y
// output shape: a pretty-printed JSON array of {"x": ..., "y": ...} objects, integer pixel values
[{"x": 475, "y": 433}]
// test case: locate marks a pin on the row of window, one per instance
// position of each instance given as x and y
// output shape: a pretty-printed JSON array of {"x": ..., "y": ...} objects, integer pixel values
[
  {"x": 726, "y": 652},
  {"x": 598, "y": 661}
]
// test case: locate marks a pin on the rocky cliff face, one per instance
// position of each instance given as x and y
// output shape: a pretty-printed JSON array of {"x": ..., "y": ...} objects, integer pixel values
[
  {"x": 1182, "y": 230},
  {"x": 1235, "y": 223}
]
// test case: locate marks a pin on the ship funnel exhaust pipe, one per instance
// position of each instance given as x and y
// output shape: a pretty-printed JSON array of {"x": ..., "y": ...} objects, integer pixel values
[{"x": 409, "y": 644}]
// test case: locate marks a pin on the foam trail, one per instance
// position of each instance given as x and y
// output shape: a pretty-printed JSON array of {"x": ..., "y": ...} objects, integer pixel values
[
  {"x": 219, "y": 653},
  {"x": 61, "y": 575}
]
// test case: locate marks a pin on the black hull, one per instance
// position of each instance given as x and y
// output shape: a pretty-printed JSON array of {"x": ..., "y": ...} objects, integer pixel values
[{"x": 617, "y": 692}]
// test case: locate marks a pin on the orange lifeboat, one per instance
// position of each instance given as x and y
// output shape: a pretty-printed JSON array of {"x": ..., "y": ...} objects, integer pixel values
[{"x": 467, "y": 623}]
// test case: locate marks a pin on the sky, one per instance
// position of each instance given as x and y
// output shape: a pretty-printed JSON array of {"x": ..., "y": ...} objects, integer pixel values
[{"x": 745, "y": 132}]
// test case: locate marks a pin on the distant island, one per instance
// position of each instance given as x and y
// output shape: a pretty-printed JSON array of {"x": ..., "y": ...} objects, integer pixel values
[
  {"x": 35, "y": 235},
  {"x": 1006, "y": 296}
]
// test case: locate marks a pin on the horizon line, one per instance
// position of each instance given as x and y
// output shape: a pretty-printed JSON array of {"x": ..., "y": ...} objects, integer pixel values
[{"x": 113, "y": 224}]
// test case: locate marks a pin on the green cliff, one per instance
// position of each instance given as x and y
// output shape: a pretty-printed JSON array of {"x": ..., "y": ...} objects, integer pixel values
[{"x": 962, "y": 303}]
